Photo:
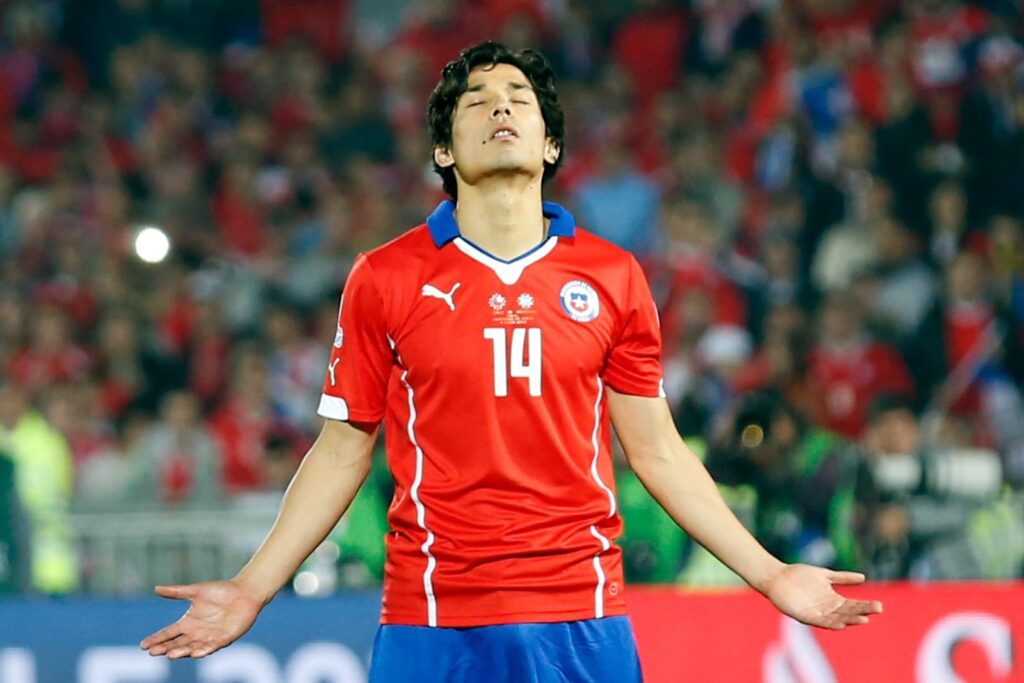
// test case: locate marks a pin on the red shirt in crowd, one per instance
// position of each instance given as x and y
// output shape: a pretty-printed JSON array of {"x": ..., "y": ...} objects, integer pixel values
[
  {"x": 650, "y": 46},
  {"x": 241, "y": 433},
  {"x": 852, "y": 377}
]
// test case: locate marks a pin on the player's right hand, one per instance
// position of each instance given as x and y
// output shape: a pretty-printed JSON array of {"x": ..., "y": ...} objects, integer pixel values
[{"x": 219, "y": 614}]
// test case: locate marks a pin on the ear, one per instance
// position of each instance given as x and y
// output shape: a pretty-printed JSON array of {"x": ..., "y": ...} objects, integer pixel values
[
  {"x": 551, "y": 151},
  {"x": 443, "y": 157}
]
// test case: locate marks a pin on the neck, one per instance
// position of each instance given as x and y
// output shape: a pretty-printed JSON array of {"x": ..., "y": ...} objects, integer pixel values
[{"x": 501, "y": 218}]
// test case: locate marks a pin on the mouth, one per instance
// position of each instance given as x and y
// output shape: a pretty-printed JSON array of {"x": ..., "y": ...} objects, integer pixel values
[{"x": 504, "y": 133}]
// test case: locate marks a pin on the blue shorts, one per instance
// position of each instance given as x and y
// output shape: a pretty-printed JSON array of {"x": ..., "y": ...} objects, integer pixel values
[{"x": 591, "y": 651}]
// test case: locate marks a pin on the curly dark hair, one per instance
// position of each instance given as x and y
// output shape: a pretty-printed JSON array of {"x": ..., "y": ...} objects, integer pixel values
[{"x": 454, "y": 82}]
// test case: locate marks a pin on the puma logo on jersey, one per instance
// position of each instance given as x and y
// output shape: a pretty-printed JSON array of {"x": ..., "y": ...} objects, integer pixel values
[
  {"x": 431, "y": 290},
  {"x": 330, "y": 369}
]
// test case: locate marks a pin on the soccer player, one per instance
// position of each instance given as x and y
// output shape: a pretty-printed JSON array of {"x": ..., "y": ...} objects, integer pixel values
[{"x": 498, "y": 343}]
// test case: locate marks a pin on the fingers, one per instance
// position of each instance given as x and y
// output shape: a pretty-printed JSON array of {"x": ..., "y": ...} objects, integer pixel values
[
  {"x": 183, "y": 651},
  {"x": 854, "y": 620},
  {"x": 181, "y": 592},
  {"x": 168, "y": 645},
  {"x": 162, "y": 636},
  {"x": 871, "y": 607},
  {"x": 846, "y": 578},
  {"x": 859, "y": 607},
  {"x": 185, "y": 645},
  {"x": 838, "y": 622},
  {"x": 852, "y": 613},
  {"x": 197, "y": 647}
]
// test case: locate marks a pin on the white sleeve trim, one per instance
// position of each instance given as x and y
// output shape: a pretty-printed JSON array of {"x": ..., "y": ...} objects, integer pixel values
[{"x": 332, "y": 407}]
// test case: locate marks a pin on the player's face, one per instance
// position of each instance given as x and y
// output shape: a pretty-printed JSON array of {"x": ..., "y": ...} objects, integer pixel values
[{"x": 497, "y": 128}]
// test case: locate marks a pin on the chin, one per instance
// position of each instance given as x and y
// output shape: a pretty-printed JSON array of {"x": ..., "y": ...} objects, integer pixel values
[
  {"x": 514, "y": 163},
  {"x": 500, "y": 170}
]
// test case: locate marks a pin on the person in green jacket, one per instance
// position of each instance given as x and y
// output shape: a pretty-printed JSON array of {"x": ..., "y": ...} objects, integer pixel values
[{"x": 44, "y": 482}]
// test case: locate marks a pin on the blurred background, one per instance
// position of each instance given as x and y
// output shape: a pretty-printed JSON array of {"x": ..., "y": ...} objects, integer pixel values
[{"x": 827, "y": 197}]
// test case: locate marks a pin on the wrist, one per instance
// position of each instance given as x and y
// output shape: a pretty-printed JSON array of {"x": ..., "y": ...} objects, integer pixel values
[
  {"x": 766, "y": 575},
  {"x": 258, "y": 590}
]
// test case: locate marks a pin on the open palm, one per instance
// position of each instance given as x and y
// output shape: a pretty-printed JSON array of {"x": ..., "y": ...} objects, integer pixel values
[
  {"x": 219, "y": 614},
  {"x": 805, "y": 593}
]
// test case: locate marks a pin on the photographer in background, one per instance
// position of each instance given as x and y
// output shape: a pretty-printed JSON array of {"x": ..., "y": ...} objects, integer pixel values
[
  {"x": 936, "y": 508},
  {"x": 805, "y": 478}
]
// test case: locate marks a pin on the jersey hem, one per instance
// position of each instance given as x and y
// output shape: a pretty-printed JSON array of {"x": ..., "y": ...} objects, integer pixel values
[{"x": 500, "y": 619}]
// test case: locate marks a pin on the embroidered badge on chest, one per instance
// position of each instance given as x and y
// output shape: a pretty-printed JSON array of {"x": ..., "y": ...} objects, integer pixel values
[{"x": 580, "y": 301}]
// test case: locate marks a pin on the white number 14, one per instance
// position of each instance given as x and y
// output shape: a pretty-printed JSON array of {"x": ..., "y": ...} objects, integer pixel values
[{"x": 525, "y": 354}]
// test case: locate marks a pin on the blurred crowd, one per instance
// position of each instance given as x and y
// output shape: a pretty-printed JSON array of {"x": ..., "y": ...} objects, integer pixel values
[{"x": 827, "y": 196}]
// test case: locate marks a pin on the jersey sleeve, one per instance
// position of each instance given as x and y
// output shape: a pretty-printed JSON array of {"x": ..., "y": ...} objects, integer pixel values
[
  {"x": 634, "y": 363},
  {"x": 355, "y": 385}
]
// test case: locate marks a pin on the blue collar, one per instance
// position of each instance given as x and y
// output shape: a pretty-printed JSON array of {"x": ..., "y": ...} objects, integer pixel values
[{"x": 443, "y": 228}]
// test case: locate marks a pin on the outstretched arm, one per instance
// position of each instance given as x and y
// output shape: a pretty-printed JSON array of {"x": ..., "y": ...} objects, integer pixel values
[
  {"x": 682, "y": 486},
  {"x": 320, "y": 492}
]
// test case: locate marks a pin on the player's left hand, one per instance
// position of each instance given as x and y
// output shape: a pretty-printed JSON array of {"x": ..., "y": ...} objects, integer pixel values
[{"x": 805, "y": 593}]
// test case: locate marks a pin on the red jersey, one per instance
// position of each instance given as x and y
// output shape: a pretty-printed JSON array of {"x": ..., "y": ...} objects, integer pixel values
[
  {"x": 490, "y": 376},
  {"x": 851, "y": 378}
]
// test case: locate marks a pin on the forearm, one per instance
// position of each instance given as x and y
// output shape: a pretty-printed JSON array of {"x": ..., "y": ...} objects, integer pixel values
[
  {"x": 682, "y": 486},
  {"x": 321, "y": 490}
]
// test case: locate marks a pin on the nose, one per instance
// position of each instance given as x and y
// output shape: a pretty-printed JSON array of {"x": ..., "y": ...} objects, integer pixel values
[{"x": 501, "y": 107}]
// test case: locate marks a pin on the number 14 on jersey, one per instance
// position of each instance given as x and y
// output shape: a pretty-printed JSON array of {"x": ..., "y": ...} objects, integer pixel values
[{"x": 524, "y": 353}]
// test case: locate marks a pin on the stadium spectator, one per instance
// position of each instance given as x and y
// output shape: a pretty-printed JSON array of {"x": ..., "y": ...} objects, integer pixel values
[
  {"x": 780, "y": 363},
  {"x": 296, "y": 369},
  {"x": 110, "y": 479},
  {"x": 243, "y": 421},
  {"x": 904, "y": 286},
  {"x": 208, "y": 352},
  {"x": 52, "y": 357},
  {"x": 44, "y": 481},
  {"x": 1006, "y": 255},
  {"x": 620, "y": 203},
  {"x": 696, "y": 168},
  {"x": 847, "y": 250},
  {"x": 650, "y": 44},
  {"x": 779, "y": 281},
  {"x": 177, "y": 457},
  {"x": 977, "y": 356},
  {"x": 695, "y": 260},
  {"x": 120, "y": 362},
  {"x": 437, "y": 29},
  {"x": 947, "y": 222},
  {"x": 850, "y": 367}
]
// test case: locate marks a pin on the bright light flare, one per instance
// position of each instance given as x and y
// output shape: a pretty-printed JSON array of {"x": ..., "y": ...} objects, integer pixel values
[{"x": 152, "y": 244}]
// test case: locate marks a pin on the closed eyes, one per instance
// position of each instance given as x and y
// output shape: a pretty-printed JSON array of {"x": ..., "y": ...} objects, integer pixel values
[{"x": 478, "y": 104}]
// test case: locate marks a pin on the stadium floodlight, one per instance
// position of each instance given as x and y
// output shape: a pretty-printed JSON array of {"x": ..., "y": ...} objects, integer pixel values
[{"x": 152, "y": 244}]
